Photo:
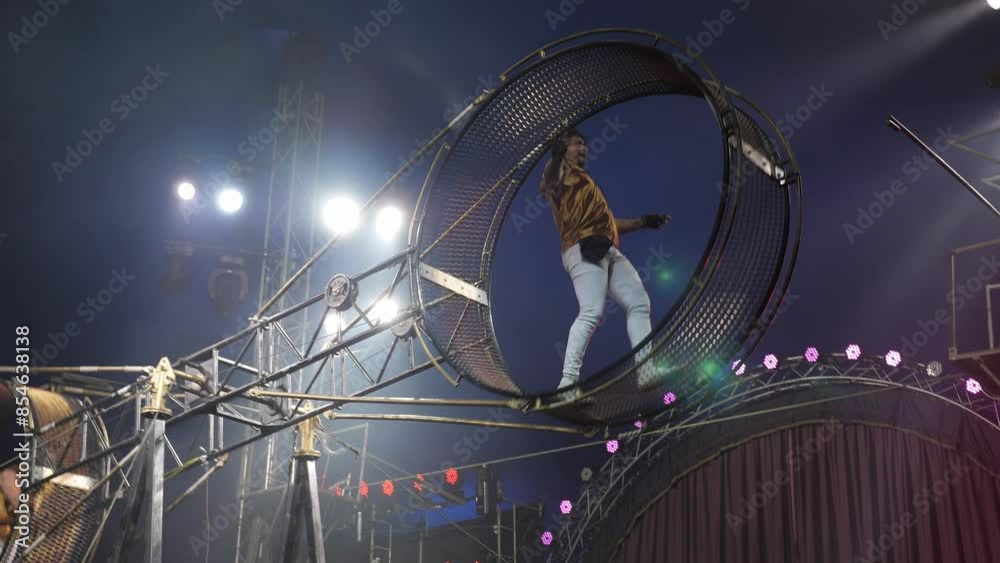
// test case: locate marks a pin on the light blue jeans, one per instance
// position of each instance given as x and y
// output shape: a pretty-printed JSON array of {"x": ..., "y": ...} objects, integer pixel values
[{"x": 593, "y": 282}]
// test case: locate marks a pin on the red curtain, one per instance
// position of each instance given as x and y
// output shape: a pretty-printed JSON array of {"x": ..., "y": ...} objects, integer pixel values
[{"x": 825, "y": 493}]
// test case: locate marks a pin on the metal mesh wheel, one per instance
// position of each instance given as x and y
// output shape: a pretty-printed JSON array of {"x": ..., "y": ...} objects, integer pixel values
[
  {"x": 744, "y": 270},
  {"x": 59, "y": 448}
]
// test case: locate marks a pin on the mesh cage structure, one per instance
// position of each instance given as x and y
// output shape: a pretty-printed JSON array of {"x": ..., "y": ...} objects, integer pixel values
[
  {"x": 742, "y": 275},
  {"x": 58, "y": 448}
]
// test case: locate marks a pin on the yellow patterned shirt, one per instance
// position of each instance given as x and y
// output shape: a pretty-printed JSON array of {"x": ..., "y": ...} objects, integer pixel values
[{"x": 581, "y": 210}]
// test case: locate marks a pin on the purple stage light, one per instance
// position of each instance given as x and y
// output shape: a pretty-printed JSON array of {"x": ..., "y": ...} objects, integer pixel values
[
  {"x": 638, "y": 424},
  {"x": 812, "y": 355},
  {"x": 853, "y": 352},
  {"x": 893, "y": 358},
  {"x": 770, "y": 361},
  {"x": 612, "y": 446},
  {"x": 669, "y": 398},
  {"x": 565, "y": 507},
  {"x": 546, "y": 538},
  {"x": 973, "y": 386},
  {"x": 739, "y": 368}
]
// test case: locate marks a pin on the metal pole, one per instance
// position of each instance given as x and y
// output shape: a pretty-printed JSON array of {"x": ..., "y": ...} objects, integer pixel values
[
  {"x": 154, "y": 483},
  {"x": 897, "y": 125},
  {"x": 514, "y": 529},
  {"x": 364, "y": 456}
]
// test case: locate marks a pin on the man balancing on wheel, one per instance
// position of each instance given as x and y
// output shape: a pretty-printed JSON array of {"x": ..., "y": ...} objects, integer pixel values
[{"x": 590, "y": 255}]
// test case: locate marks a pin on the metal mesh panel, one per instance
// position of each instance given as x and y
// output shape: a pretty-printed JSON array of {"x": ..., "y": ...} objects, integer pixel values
[
  {"x": 59, "y": 448},
  {"x": 472, "y": 189}
]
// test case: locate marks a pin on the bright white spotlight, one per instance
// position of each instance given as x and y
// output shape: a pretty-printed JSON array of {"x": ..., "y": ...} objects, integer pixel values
[
  {"x": 995, "y": 4},
  {"x": 185, "y": 191},
  {"x": 388, "y": 222},
  {"x": 230, "y": 200},
  {"x": 341, "y": 215},
  {"x": 332, "y": 324},
  {"x": 385, "y": 311}
]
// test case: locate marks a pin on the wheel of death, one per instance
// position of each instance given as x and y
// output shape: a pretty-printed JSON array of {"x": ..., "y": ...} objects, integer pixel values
[{"x": 745, "y": 268}]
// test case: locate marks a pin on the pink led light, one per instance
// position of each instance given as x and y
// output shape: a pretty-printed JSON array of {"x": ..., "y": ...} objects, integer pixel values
[
  {"x": 893, "y": 358},
  {"x": 612, "y": 446},
  {"x": 638, "y": 424},
  {"x": 853, "y": 352},
  {"x": 973, "y": 386},
  {"x": 739, "y": 368},
  {"x": 565, "y": 507},
  {"x": 812, "y": 354},
  {"x": 669, "y": 398},
  {"x": 546, "y": 538},
  {"x": 770, "y": 361}
]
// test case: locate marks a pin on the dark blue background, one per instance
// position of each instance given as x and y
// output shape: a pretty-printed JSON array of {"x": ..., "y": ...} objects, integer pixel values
[{"x": 117, "y": 208}]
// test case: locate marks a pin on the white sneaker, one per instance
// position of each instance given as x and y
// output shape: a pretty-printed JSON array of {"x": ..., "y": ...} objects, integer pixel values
[{"x": 567, "y": 381}]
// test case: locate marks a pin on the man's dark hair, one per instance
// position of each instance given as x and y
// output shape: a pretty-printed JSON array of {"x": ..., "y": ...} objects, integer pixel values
[{"x": 550, "y": 177}]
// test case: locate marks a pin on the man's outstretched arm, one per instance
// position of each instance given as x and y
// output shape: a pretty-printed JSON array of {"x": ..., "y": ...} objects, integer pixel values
[{"x": 626, "y": 226}]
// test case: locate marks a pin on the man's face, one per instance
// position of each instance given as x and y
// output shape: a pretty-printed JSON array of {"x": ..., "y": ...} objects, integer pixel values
[{"x": 576, "y": 151}]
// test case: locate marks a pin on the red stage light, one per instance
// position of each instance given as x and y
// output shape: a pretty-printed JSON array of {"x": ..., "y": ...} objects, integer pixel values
[
  {"x": 388, "y": 488},
  {"x": 364, "y": 489},
  {"x": 338, "y": 490},
  {"x": 451, "y": 476}
]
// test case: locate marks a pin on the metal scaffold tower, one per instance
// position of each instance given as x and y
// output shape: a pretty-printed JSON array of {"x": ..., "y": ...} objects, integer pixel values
[{"x": 289, "y": 240}]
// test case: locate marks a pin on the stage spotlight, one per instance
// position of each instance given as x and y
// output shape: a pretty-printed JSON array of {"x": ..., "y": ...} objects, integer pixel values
[
  {"x": 812, "y": 355},
  {"x": 385, "y": 311},
  {"x": 546, "y": 538},
  {"x": 338, "y": 490},
  {"x": 995, "y": 4},
  {"x": 565, "y": 507},
  {"x": 388, "y": 222},
  {"x": 230, "y": 200},
  {"x": 341, "y": 215},
  {"x": 738, "y": 367},
  {"x": 451, "y": 476},
  {"x": 770, "y": 361},
  {"x": 228, "y": 284},
  {"x": 638, "y": 424},
  {"x": 973, "y": 386},
  {"x": 388, "y": 488},
  {"x": 364, "y": 489},
  {"x": 586, "y": 474},
  {"x": 332, "y": 324},
  {"x": 612, "y": 446},
  {"x": 853, "y": 352},
  {"x": 934, "y": 369},
  {"x": 669, "y": 398},
  {"x": 185, "y": 191},
  {"x": 893, "y": 358}
]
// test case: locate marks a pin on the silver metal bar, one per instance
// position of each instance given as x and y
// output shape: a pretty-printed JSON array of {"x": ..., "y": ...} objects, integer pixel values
[
  {"x": 454, "y": 284},
  {"x": 897, "y": 125}
]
